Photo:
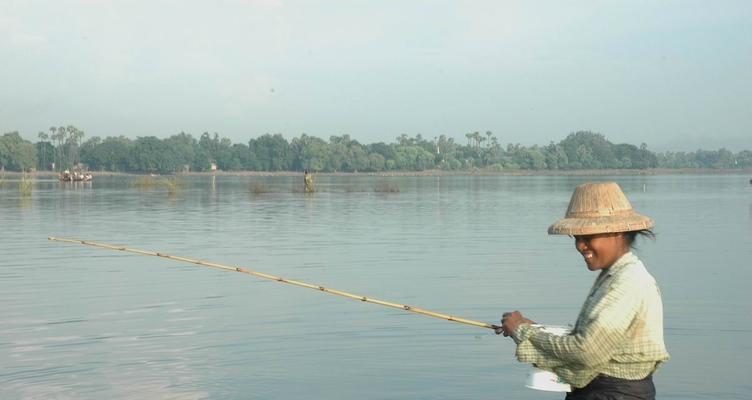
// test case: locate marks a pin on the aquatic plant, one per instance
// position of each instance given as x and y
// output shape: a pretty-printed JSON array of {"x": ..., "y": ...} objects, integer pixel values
[
  {"x": 25, "y": 186},
  {"x": 259, "y": 188},
  {"x": 385, "y": 187},
  {"x": 173, "y": 185},
  {"x": 145, "y": 182}
]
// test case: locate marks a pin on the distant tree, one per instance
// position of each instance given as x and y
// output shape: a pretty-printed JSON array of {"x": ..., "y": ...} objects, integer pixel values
[
  {"x": 72, "y": 143},
  {"x": 185, "y": 151},
  {"x": 91, "y": 153},
  {"x": 273, "y": 152},
  {"x": 59, "y": 136},
  {"x": 149, "y": 154},
  {"x": 309, "y": 153},
  {"x": 413, "y": 158},
  {"x": 224, "y": 156},
  {"x": 240, "y": 157},
  {"x": 534, "y": 159},
  {"x": 42, "y": 147},
  {"x": 556, "y": 157},
  {"x": 589, "y": 150},
  {"x": 360, "y": 160},
  {"x": 582, "y": 149},
  {"x": 744, "y": 159},
  {"x": 16, "y": 154},
  {"x": 376, "y": 162},
  {"x": 446, "y": 149},
  {"x": 385, "y": 150},
  {"x": 111, "y": 154}
]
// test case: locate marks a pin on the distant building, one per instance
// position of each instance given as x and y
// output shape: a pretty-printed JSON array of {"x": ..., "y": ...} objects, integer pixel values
[{"x": 213, "y": 166}]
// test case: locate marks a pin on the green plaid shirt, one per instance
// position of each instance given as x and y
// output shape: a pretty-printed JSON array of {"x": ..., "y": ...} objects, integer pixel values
[{"x": 619, "y": 331}]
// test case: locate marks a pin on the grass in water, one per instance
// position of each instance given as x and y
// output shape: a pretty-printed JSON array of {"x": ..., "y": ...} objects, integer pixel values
[
  {"x": 385, "y": 187},
  {"x": 258, "y": 188},
  {"x": 145, "y": 182},
  {"x": 173, "y": 185},
  {"x": 25, "y": 186},
  {"x": 354, "y": 189}
]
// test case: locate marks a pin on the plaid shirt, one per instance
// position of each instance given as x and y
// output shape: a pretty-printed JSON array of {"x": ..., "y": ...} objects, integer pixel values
[{"x": 619, "y": 331}]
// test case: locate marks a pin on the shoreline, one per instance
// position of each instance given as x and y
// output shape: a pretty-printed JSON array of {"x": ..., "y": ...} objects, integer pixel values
[{"x": 591, "y": 172}]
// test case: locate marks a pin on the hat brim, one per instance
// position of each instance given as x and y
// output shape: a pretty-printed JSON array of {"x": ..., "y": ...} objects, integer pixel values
[{"x": 609, "y": 224}]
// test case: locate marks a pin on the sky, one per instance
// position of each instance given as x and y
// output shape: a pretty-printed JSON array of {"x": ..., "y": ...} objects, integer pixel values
[{"x": 676, "y": 75}]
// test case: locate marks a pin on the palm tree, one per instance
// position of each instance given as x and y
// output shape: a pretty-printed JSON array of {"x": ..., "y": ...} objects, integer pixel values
[
  {"x": 74, "y": 141},
  {"x": 476, "y": 137},
  {"x": 60, "y": 149},
  {"x": 43, "y": 143},
  {"x": 53, "y": 137}
]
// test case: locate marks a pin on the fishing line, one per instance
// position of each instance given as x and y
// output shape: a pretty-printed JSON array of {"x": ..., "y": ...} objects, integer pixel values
[{"x": 270, "y": 277}]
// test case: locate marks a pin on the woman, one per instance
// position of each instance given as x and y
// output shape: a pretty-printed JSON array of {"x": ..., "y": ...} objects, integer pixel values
[{"x": 617, "y": 342}]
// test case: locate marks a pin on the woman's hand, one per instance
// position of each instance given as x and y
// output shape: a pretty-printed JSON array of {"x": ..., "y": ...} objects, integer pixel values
[{"x": 510, "y": 321}]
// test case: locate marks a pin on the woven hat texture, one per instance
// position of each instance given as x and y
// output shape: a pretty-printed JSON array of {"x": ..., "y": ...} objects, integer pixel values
[{"x": 599, "y": 208}]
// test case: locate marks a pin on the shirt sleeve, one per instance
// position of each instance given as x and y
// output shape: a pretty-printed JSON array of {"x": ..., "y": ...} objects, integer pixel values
[
  {"x": 596, "y": 340},
  {"x": 529, "y": 354}
]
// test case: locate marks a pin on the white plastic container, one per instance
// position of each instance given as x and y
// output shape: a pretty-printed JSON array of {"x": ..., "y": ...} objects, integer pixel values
[{"x": 539, "y": 379}]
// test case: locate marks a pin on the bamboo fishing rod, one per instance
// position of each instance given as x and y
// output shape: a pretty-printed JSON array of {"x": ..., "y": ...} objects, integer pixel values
[{"x": 270, "y": 277}]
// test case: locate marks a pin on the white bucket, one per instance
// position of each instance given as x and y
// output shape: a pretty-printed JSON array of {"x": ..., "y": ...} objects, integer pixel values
[{"x": 539, "y": 379}]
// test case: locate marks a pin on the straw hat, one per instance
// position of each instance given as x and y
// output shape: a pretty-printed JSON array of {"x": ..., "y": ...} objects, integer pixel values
[{"x": 599, "y": 208}]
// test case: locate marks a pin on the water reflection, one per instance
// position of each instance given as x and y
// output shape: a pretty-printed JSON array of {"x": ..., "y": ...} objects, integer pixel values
[
  {"x": 24, "y": 202},
  {"x": 79, "y": 321}
]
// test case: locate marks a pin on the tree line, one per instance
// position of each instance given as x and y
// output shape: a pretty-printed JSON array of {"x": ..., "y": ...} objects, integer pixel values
[{"x": 64, "y": 148}]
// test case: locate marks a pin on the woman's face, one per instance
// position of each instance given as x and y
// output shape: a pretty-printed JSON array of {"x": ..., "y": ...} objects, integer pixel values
[{"x": 601, "y": 250}]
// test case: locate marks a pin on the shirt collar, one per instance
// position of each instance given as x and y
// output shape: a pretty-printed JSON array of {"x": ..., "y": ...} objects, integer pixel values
[{"x": 622, "y": 262}]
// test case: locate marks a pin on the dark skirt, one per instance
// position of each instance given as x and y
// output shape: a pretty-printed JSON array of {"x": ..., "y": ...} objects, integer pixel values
[{"x": 605, "y": 387}]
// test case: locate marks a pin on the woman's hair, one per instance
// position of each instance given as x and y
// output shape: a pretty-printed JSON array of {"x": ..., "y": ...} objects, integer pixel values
[{"x": 632, "y": 236}]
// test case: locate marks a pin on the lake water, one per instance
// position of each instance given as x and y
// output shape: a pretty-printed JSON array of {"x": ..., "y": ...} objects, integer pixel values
[{"x": 79, "y": 322}]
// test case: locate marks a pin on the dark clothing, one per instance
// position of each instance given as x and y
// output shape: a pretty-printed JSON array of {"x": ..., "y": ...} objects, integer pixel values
[{"x": 605, "y": 387}]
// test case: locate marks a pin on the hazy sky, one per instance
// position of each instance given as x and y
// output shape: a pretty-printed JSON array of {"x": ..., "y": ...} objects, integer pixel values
[{"x": 674, "y": 74}]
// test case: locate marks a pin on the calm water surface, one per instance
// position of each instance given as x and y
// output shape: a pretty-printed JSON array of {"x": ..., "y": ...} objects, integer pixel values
[{"x": 79, "y": 322}]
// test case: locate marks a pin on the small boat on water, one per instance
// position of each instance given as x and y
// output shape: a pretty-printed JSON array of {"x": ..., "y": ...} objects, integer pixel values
[{"x": 75, "y": 176}]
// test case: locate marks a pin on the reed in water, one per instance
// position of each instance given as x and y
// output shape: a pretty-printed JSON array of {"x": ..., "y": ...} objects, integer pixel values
[
  {"x": 385, "y": 187},
  {"x": 25, "y": 186},
  {"x": 172, "y": 185},
  {"x": 260, "y": 188}
]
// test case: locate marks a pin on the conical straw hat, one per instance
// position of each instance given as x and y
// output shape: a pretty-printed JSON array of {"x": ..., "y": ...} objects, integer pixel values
[{"x": 599, "y": 208}]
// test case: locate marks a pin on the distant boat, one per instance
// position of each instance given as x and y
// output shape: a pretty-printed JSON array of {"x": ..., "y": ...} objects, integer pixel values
[{"x": 67, "y": 176}]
